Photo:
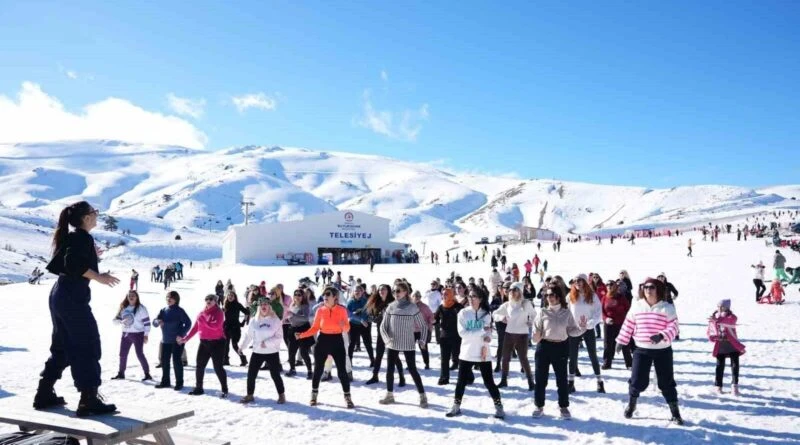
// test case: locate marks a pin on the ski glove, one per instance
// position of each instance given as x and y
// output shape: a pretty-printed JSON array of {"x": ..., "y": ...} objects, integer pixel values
[{"x": 656, "y": 339}]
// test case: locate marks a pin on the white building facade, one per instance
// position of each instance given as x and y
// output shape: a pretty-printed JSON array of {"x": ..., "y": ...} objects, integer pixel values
[{"x": 342, "y": 237}]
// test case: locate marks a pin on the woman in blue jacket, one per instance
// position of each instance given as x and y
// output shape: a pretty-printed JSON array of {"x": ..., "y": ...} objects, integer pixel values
[{"x": 174, "y": 323}]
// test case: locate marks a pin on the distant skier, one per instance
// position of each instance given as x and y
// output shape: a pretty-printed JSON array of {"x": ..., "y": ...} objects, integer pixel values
[{"x": 689, "y": 245}]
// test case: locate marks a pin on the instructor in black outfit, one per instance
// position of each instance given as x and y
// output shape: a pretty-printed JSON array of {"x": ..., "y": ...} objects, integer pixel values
[{"x": 75, "y": 339}]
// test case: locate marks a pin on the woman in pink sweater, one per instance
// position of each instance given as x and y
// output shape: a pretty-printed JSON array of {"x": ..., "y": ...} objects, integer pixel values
[{"x": 210, "y": 324}]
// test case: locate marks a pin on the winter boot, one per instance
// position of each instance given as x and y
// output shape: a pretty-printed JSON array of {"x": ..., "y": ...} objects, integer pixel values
[
  {"x": 92, "y": 404},
  {"x": 227, "y": 362},
  {"x": 571, "y": 386},
  {"x": 147, "y": 377},
  {"x": 531, "y": 385},
  {"x": 443, "y": 381},
  {"x": 243, "y": 360},
  {"x": 163, "y": 385},
  {"x": 388, "y": 399},
  {"x": 290, "y": 373},
  {"x": 497, "y": 367},
  {"x": 46, "y": 396},
  {"x": 197, "y": 391},
  {"x": 402, "y": 381},
  {"x": 247, "y": 399},
  {"x": 374, "y": 379},
  {"x": 503, "y": 382},
  {"x": 455, "y": 410},
  {"x": 119, "y": 376},
  {"x": 423, "y": 400},
  {"x": 735, "y": 390},
  {"x": 676, "y": 414},
  {"x": 314, "y": 393},
  {"x": 538, "y": 412},
  {"x": 498, "y": 410},
  {"x": 601, "y": 388},
  {"x": 349, "y": 401},
  {"x": 631, "y": 407},
  {"x": 565, "y": 414},
  {"x": 281, "y": 399}
]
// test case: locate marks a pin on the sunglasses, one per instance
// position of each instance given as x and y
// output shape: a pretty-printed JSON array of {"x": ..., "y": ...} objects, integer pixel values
[
  {"x": 94, "y": 212},
  {"x": 648, "y": 287},
  {"x": 550, "y": 294},
  {"x": 298, "y": 295},
  {"x": 329, "y": 294}
]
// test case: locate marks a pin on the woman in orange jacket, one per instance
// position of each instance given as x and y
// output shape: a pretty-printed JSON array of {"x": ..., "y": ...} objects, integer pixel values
[{"x": 330, "y": 321}]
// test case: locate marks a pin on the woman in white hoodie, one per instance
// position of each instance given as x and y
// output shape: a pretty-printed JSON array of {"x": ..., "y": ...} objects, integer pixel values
[
  {"x": 587, "y": 309},
  {"x": 475, "y": 329},
  {"x": 265, "y": 331},
  {"x": 518, "y": 314},
  {"x": 135, "y": 321}
]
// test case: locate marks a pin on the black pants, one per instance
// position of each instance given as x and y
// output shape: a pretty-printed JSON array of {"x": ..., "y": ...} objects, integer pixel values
[
  {"x": 273, "y": 361},
  {"x": 426, "y": 358},
  {"x": 304, "y": 346},
  {"x": 232, "y": 337},
  {"x": 640, "y": 373},
  {"x": 721, "y": 368},
  {"x": 553, "y": 354},
  {"x": 465, "y": 375},
  {"x": 760, "y": 288},
  {"x": 359, "y": 331},
  {"x": 75, "y": 341},
  {"x": 380, "y": 348},
  {"x": 333, "y": 345},
  {"x": 214, "y": 350},
  {"x": 591, "y": 347},
  {"x": 450, "y": 348},
  {"x": 610, "y": 345},
  {"x": 171, "y": 352},
  {"x": 286, "y": 334},
  {"x": 501, "y": 339},
  {"x": 392, "y": 359}
]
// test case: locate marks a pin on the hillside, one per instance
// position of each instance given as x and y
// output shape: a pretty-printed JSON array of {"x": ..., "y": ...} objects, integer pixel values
[{"x": 157, "y": 192}]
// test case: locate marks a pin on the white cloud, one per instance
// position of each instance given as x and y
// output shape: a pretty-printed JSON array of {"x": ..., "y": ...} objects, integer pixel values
[
  {"x": 186, "y": 107},
  {"x": 71, "y": 74},
  {"x": 254, "y": 100},
  {"x": 404, "y": 125},
  {"x": 384, "y": 76},
  {"x": 36, "y": 116}
]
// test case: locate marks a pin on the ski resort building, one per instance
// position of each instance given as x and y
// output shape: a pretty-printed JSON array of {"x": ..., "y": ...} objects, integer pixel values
[
  {"x": 343, "y": 237},
  {"x": 535, "y": 233}
]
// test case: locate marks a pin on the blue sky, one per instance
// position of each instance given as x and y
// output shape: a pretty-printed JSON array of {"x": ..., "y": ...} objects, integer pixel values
[{"x": 655, "y": 94}]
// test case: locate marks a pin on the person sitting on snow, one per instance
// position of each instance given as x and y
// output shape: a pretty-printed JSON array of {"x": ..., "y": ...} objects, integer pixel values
[
  {"x": 794, "y": 274},
  {"x": 776, "y": 293}
]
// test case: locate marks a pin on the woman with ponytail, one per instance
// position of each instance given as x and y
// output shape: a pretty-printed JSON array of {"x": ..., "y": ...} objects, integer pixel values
[{"x": 75, "y": 340}]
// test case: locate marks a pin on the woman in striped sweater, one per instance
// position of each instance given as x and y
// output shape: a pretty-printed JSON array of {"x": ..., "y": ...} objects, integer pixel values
[
  {"x": 653, "y": 324},
  {"x": 397, "y": 331}
]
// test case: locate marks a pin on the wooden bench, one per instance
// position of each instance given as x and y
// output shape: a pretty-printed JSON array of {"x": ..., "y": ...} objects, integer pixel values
[{"x": 132, "y": 425}]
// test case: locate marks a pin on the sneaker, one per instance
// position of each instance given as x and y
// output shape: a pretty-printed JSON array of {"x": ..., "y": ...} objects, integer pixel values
[
  {"x": 503, "y": 383},
  {"x": 247, "y": 399},
  {"x": 565, "y": 414},
  {"x": 197, "y": 392},
  {"x": 605, "y": 367},
  {"x": 313, "y": 401},
  {"x": 281, "y": 399},
  {"x": 119, "y": 376},
  {"x": 388, "y": 399},
  {"x": 454, "y": 411},
  {"x": 498, "y": 411},
  {"x": 538, "y": 412},
  {"x": 423, "y": 400}
]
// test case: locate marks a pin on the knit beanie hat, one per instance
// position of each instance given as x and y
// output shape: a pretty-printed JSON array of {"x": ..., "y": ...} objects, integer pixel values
[{"x": 726, "y": 303}]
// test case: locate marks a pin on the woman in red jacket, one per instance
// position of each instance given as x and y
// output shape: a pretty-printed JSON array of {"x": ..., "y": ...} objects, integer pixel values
[
  {"x": 615, "y": 307},
  {"x": 722, "y": 331},
  {"x": 210, "y": 324}
]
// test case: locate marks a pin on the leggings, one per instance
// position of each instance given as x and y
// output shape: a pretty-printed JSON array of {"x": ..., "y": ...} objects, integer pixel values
[
  {"x": 273, "y": 362},
  {"x": 347, "y": 362},
  {"x": 465, "y": 375},
  {"x": 303, "y": 345},
  {"x": 359, "y": 331},
  {"x": 135, "y": 339},
  {"x": 232, "y": 337},
  {"x": 591, "y": 347},
  {"x": 379, "y": 350},
  {"x": 393, "y": 357},
  {"x": 760, "y": 288},
  {"x": 501, "y": 338},
  {"x": 426, "y": 358},
  {"x": 518, "y": 342},
  {"x": 450, "y": 348},
  {"x": 330, "y": 344},
  {"x": 721, "y": 367},
  {"x": 214, "y": 350}
]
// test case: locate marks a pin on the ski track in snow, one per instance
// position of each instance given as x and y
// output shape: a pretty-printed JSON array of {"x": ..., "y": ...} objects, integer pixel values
[{"x": 767, "y": 412}]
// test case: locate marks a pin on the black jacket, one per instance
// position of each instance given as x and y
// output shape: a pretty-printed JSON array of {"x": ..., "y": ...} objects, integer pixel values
[
  {"x": 232, "y": 311},
  {"x": 76, "y": 255},
  {"x": 447, "y": 320}
]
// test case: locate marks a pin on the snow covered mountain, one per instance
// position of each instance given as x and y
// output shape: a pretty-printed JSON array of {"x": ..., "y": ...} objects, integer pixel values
[{"x": 156, "y": 192}]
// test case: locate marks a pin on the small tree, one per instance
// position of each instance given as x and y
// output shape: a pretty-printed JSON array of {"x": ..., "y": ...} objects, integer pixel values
[
  {"x": 110, "y": 223},
  {"x": 166, "y": 197}
]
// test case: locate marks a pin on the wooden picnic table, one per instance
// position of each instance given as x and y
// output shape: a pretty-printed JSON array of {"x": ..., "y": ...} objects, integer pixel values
[{"x": 131, "y": 424}]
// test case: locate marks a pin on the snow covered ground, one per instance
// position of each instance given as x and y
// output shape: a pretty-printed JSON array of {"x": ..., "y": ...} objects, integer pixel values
[{"x": 767, "y": 411}]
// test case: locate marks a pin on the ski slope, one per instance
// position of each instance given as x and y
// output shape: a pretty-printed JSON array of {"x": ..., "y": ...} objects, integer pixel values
[{"x": 766, "y": 413}]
